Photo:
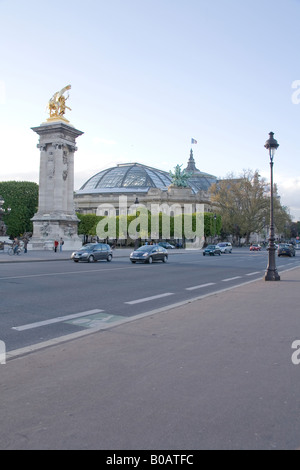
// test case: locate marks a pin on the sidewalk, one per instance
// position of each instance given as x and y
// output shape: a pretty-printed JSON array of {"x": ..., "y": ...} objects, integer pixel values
[{"x": 216, "y": 373}]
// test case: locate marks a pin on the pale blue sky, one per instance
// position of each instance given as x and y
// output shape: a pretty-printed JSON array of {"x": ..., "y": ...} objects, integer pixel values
[{"x": 147, "y": 76}]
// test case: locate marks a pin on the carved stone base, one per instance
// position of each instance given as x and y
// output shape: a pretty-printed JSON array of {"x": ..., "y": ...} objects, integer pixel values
[{"x": 50, "y": 228}]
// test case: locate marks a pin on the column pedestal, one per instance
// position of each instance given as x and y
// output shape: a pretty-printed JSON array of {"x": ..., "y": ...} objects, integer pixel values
[{"x": 56, "y": 217}]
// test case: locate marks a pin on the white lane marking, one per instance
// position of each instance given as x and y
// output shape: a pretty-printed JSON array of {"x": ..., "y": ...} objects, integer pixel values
[
  {"x": 29, "y": 326},
  {"x": 231, "y": 279},
  {"x": 252, "y": 274},
  {"x": 10, "y": 355},
  {"x": 91, "y": 271},
  {"x": 147, "y": 299},
  {"x": 201, "y": 286}
]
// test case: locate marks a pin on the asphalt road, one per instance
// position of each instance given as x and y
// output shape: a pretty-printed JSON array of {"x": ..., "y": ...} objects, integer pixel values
[{"x": 45, "y": 300}]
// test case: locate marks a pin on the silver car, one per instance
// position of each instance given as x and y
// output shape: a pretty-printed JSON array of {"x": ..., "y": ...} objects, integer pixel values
[
  {"x": 225, "y": 247},
  {"x": 93, "y": 252}
]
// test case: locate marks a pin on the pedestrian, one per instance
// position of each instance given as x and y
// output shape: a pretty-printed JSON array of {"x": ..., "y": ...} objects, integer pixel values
[
  {"x": 55, "y": 245},
  {"x": 61, "y": 242},
  {"x": 25, "y": 241},
  {"x": 16, "y": 245}
]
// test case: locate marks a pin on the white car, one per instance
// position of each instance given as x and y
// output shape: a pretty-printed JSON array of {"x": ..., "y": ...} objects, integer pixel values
[{"x": 225, "y": 247}]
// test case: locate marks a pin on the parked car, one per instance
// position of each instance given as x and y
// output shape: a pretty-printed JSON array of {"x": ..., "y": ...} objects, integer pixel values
[
  {"x": 166, "y": 245},
  {"x": 149, "y": 254},
  {"x": 255, "y": 247},
  {"x": 286, "y": 249},
  {"x": 212, "y": 250},
  {"x": 93, "y": 252},
  {"x": 225, "y": 247}
]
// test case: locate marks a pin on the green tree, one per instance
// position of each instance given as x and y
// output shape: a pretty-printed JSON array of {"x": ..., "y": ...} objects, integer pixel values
[
  {"x": 22, "y": 198},
  {"x": 244, "y": 203}
]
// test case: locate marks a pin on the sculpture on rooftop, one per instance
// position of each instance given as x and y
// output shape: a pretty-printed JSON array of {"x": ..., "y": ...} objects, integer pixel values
[
  {"x": 180, "y": 177},
  {"x": 57, "y": 104}
]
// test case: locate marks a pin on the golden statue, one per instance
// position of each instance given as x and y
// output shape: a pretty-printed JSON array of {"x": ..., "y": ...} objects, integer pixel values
[{"x": 57, "y": 105}]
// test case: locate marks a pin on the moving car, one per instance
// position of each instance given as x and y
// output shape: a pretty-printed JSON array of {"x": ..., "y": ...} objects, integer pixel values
[
  {"x": 225, "y": 247},
  {"x": 212, "y": 250},
  {"x": 255, "y": 247},
  {"x": 93, "y": 252},
  {"x": 149, "y": 254},
  {"x": 286, "y": 249},
  {"x": 166, "y": 245}
]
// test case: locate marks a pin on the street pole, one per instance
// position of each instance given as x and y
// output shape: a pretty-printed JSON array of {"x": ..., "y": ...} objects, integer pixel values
[
  {"x": 136, "y": 241},
  {"x": 272, "y": 273}
]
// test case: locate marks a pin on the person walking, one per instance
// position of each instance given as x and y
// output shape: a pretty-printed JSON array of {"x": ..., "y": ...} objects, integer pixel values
[
  {"x": 16, "y": 245},
  {"x": 56, "y": 245},
  {"x": 25, "y": 242},
  {"x": 61, "y": 242}
]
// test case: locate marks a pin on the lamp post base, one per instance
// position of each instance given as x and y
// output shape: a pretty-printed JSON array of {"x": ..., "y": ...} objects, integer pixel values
[{"x": 272, "y": 275}]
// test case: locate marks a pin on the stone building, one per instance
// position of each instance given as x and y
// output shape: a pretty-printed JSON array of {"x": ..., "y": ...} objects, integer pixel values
[{"x": 134, "y": 181}]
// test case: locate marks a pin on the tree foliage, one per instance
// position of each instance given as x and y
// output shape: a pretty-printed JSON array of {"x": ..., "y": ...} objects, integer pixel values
[
  {"x": 22, "y": 198},
  {"x": 244, "y": 203},
  {"x": 142, "y": 224}
]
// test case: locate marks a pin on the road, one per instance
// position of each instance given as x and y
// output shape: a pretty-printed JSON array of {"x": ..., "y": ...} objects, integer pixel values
[{"x": 46, "y": 300}]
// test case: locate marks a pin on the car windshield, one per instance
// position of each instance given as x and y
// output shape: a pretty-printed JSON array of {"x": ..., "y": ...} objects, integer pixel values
[
  {"x": 222, "y": 244},
  {"x": 88, "y": 247},
  {"x": 211, "y": 247},
  {"x": 145, "y": 248}
]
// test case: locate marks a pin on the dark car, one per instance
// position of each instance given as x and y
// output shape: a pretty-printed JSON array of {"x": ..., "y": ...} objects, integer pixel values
[
  {"x": 166, "y": 245},
  {"x": 149, "y": 254},
  {"x": 93, "y": 252},
  {"x": 286, "y": 249},
  {"x": 212, "y": 250}
]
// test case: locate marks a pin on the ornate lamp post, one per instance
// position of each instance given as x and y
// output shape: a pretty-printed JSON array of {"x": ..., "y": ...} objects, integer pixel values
[
  {"x": 271, "y": 274},
  {"x": 136, "y": 241},
  {"x": 215, "y": 224}
]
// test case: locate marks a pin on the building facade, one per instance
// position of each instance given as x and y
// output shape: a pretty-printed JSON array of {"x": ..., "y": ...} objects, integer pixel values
[{"x": 132, "y": 182}]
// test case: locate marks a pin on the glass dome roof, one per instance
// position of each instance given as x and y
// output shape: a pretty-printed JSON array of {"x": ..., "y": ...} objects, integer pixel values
[{"x": 127, "y": 177}]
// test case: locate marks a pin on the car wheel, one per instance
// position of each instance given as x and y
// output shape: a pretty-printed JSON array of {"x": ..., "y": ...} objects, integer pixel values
[
  {"x": 109, "y": 258},
  {"x": 75, "y": 260},
  {"x": 150, "y": 260},
  {"x": 165, "y": 259},
  {"x": 133, "y": 262},
  {"x": 203, "y": 254},
  {"x": 91, "y": 259},
  {"x": 220, "y": 254}
]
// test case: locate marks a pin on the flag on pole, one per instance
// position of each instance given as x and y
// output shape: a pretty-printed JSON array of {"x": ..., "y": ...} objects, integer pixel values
[{"x": 193, "y": 141}]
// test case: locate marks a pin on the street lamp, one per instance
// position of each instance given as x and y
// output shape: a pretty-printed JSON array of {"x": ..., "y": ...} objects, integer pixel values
[
  {"x": 271, "y": 274},
  {"x": 215, "y": 224},
  {"x": 136, "y": 241}
]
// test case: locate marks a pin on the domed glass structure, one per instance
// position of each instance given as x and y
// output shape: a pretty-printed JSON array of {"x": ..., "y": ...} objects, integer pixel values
[
  {"x": 135, "y": 177},
  {"x": 127, "y": 177}
]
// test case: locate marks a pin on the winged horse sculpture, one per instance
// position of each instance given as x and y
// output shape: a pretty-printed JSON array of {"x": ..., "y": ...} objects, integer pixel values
[{"x": 57, "y": 104}]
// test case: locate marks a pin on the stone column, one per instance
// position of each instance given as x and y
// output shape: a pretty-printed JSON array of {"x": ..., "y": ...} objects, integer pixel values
[{"x": 56, "y": 215}]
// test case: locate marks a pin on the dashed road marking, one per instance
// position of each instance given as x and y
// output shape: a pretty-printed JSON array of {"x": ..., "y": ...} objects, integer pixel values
[
  {"x": 30, "y": 326},
  {"x": 148, "y": 299}
]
